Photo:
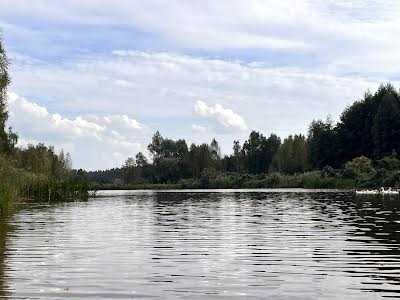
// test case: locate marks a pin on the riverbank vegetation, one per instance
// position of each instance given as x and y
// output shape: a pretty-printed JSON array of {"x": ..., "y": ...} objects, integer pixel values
[
  {"x": 358, "y": 151},
  {"x": 34, "y": 172}
]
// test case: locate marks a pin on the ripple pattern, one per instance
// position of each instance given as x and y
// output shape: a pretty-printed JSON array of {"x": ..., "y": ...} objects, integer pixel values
[{"x": 288, "y": 244}]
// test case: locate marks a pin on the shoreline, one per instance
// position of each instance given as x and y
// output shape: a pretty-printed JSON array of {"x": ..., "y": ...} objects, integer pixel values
[{"x": 166, "y": 187}]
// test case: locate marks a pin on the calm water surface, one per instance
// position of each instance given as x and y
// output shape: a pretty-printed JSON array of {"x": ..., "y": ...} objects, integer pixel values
[{"x": 287, "y": 244}]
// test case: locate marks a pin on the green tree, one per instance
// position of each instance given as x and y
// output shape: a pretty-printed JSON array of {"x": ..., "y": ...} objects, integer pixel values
[
  {"x": 141, "y": 160},
  {"x": 168, "y": 170},
  {"x": 390, "y": 162},
  {"x": 155, "y": 147},
  {"x": 321, "y": 143},
  {"x": 236, "y": 153},
  {"x": 259, "y": 151},
  {"x": 130, "y": 170},
  {"x": 181, "y": 149},
  {"x": 215, "y": 150},
  {"x": 271, "y": 147},
  {"x": 362, "y": 166},
  {"x": 369, "y": 126},
  {"x": 200, "y": 157},
  {"x": 292, "y": 156},
  {"x": 8, "y": 139},
  {"x": 386, "y": 126}
]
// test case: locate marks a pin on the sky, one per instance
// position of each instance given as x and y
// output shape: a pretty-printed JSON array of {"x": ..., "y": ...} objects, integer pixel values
[{"x": 98, "y": 78}]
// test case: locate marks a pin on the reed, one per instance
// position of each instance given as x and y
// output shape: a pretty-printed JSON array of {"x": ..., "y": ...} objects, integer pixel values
[
  {"x": 18, "y": 183},
  {"x": 55, "y": 190}
]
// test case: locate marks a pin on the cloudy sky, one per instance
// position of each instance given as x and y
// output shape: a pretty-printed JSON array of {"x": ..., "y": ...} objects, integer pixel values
[{"x": 98, "y": 78}]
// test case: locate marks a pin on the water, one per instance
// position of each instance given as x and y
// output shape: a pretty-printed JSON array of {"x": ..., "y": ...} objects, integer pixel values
[{"x": 286, "y": 244}]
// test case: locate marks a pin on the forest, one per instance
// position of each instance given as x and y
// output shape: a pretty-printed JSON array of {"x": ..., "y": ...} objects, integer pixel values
[{"x": 359, "y": 150}]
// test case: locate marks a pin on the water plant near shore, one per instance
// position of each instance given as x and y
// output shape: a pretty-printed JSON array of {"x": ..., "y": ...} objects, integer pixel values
[
  {"x": 53, "y": 191},
  {"x": 19, "y": 183}
]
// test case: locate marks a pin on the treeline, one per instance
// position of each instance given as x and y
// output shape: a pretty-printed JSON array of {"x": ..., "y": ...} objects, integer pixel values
[
  {"x": 34, "y": 171},
  {"x": 330, "y": 155}
]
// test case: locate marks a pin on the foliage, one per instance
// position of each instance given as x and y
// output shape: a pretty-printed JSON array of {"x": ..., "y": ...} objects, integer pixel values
[
  {"x": 369, "y": 127},
  {"x": 8, "y": 139},
  {"x": 321, "y": 143},
  {"x": 390, "y": 162},
  {"x": 361, "y": 166},
  {"x": 292, "y": 156},
  {"x": 259, "y": 152}
]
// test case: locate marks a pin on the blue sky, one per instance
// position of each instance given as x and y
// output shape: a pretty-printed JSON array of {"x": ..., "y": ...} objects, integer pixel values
[{"x": 98, "y": 78}]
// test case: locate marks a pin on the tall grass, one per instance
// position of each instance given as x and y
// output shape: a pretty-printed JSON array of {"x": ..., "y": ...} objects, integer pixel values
[
  {"x": 7, "y": 195},
  {"x": 55, "y": 190},
  {"x": 18, "y": 183},
  {"x": 308, "y": 180}
]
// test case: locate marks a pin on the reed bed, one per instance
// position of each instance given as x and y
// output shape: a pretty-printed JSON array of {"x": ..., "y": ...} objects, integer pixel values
[{"x": 18, "y": 183}]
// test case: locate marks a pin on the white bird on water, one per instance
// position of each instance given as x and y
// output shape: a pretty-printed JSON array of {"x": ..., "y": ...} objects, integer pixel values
[{"x": 381, "y": 191}]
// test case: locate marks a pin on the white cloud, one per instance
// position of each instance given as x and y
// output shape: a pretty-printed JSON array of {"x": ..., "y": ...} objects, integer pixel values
[
  {"x": 70, "y": 128},
  {"x": 198, "y": 128},
  {"x": 223, "y": 116},
  {"x": 86, "y": 138},
  {"x": 167, "y": 84},
  {"x": 336, "y": 35},
  {"x": 122, "y": 83},
  {"x": 250, "y": 95},
  {"x": 120, "y": 122}
]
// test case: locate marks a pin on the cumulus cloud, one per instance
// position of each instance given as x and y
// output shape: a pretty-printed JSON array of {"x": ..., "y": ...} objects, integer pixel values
[
  {"x": 122, "y": 83},
  {"x": 165, "y": 87},
  {"x": 120, "y": 122},
  {"x": 86, "y": 138},
  {"x": 198, "y": 128},
  {"x": 222, "y": 116},
  {"x": 70, "y": 128}
]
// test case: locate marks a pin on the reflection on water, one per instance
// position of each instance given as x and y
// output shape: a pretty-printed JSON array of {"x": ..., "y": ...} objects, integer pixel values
[{"x": 204, "y": 245}]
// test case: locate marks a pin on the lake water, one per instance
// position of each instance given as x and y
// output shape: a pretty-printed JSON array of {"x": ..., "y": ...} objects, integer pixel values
[{"x": 280, "y": 244}]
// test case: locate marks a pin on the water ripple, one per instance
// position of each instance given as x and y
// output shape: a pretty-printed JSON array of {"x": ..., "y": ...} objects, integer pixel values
[{"x": 286, "y": 244}]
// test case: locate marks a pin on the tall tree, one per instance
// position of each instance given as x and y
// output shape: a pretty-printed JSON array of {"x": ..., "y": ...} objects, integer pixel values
[
  {"x": 386, "y": 126},
  {"x": 215, "y": 150},
  {"x": 271, "y": 147},
  {"x": 8, "y": 139},
  {"x": 259, "y": 151},
  {"x": 253, "y": 150},
  {"x": 321, "y": 140},
  {"x": 361, "y": 132},
  {"x": 292, "y": 156},
  {"x": 129, "y": 170},
  {"x": 236, "y": 153},
  {"x": 155, "y": 147},
  {"x": 141, "y": 160}
]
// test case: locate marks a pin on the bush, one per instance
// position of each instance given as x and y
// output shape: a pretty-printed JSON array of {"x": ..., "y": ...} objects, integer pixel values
[
  {"x": 390, "y": 162},
  {"x": 328, "y": 171},
  {"x": 361, "y": 166},
  {"x": 190, "y": 183}
]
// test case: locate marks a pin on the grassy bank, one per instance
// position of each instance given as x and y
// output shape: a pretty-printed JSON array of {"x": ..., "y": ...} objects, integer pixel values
[
  {"x": 308, "y": 180},
  {"x": 141, "y": 186},
  {"x": 19, "y": 183}
]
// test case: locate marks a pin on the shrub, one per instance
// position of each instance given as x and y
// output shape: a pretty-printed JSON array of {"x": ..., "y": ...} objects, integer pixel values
[{"x": 361, "y": 166}]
